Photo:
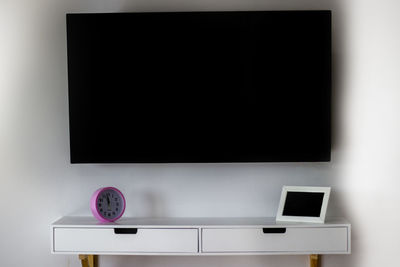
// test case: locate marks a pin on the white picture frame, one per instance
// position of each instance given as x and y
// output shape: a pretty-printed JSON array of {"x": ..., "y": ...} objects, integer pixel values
[{"x": 280, "y": 217}]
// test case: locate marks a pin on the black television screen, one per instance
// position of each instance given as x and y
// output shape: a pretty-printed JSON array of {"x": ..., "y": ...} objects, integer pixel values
[{"x": 179, "y": 87}]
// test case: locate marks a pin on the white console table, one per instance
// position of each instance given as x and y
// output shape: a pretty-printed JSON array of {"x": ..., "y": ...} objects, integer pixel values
[{"x": 198, "y": 236}]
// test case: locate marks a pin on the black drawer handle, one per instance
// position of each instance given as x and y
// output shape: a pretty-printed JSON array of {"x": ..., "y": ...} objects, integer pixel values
[
  {"x": 274, "y": 230},
  {"x": 125, "y": 230}
]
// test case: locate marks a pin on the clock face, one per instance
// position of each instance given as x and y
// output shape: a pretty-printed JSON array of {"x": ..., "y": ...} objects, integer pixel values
[{"x": 110, "y": 204}]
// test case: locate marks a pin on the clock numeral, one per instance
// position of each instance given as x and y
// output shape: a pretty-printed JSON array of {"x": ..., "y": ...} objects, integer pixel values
[
  {"x": 101, "y": 210},
  {"x": 117, "y": 203}
]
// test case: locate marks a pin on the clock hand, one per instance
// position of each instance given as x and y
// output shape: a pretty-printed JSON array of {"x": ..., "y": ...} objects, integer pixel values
[{"x": 109, "y": 203}]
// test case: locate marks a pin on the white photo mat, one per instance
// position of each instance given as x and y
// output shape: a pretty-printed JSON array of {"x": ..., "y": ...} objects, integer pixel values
[{"x": 307, "y": 189}]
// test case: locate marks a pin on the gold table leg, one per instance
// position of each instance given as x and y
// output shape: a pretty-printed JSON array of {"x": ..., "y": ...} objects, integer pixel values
[
  {"x": 88, "y": 260},
  {"x": 314, "y": 260}
]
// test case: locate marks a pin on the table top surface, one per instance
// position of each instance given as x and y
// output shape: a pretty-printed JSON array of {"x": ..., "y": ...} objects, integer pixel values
[{"x": 90, "y": 221}]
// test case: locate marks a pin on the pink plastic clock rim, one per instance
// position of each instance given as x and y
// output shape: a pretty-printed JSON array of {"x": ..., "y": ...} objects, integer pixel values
[{"x": 93, "y": 204}]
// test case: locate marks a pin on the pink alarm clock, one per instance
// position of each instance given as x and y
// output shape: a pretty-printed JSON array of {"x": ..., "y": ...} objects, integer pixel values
[{"x": 107, "y": 204}]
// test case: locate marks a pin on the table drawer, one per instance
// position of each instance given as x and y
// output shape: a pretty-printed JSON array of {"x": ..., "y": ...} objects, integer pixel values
[
  {"x": 108, "y": 240},
  {"x": 291, "y": 239}
]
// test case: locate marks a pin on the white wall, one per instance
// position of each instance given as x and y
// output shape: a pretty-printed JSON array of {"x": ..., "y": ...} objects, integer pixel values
[{"x": 40, "y": 185}]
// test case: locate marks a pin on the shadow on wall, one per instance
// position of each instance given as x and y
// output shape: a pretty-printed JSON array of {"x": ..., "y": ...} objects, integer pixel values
[{"x": 154, "y": 203}]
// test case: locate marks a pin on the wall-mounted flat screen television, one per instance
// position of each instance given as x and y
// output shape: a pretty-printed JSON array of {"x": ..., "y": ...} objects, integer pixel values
[{"x": 199, "y": 87}]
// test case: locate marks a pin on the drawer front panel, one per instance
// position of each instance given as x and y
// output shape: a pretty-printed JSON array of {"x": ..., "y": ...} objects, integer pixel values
[
  {"x": 300, "y": 240},
  {"x": 105, "y": 240}
]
